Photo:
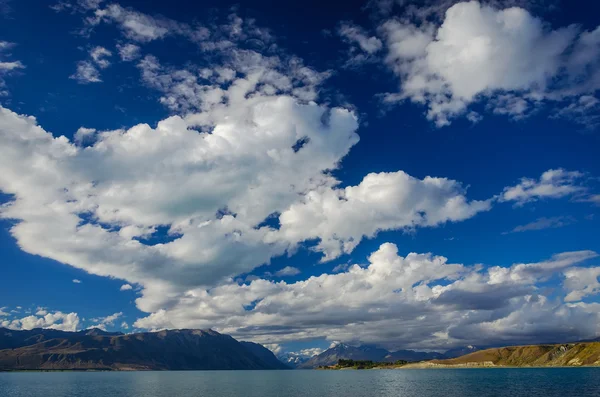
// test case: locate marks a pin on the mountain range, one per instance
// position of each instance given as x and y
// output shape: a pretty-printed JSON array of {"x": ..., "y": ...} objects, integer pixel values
[
  {"x": 375, "y": 354},
  {"x": 194, "y": 349},
  {"x": 187, "y": 349}
]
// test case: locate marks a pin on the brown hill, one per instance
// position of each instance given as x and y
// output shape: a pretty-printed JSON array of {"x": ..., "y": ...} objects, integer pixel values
[{"x": 560, "y": 355}]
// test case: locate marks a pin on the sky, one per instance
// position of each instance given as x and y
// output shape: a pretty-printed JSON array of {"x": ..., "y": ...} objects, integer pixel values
[{"x": 407, "y": 174}]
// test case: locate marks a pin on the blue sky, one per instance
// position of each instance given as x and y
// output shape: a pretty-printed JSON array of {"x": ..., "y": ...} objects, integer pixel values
[{"x": 230, "y": 163}]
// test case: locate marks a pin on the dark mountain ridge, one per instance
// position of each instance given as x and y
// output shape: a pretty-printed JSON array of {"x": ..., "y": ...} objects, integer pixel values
[{"x": 186, "y": 349}]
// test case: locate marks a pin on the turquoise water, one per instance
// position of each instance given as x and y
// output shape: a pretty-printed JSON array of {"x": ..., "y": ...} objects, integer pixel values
[{"x": 547, "y": 382}]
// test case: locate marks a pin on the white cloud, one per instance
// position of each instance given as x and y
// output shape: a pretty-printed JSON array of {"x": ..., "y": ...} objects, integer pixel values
[
  {"x": 124, "y": 325},
  {"x": 420, "y": 300},
  {"x": 481, "y": 52},
  {"x": 288, "y": 271},
  {"x": 104, "y": 322},
  {"x": 41, "y": 311},
  {"x": 86, "y": 73},
  {"x": 357, "y": 35},
  {"x": 3, "y": 313},
  {"x": 99, "y": 55},
  {"x": 57, "y": 320},
  {"x": 76, "y": 281},
  {"x": 135, "y": 25},
  {"x": 362, "y": 46},
  {"x": 84, "y": 135},
  {"x": 545, "y": 223},
  {"x": 585, "y": 110},
  {"x": 340, "y": 218},
  {"x": 555, "y": 183},
  {"x": 581, "y": 282},
  {"x": 128, "y": 52},
  {"x": 250, "y": 147},
  {"x": 7, "y": 67},
  {"x": 125, "y": 287}
]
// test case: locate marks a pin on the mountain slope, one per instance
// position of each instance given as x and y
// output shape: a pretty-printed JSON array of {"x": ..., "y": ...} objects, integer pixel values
[
  {"x": 165, "y": 350},
  {"x": 566, "y": 354},
  {"x": 10, "y": 339},
  {"x": 264, "y": 354}
]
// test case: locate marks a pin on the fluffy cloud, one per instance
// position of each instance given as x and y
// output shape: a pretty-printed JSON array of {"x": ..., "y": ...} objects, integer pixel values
[
  {"x": 76, "y": 281},
  {"x": 362, "y": 46},
  {"x": 99, "y": 55},
  {"x": 57, "y": 320},
  {"x": 86, "y": 70},
  {"x": 355, "y": 34},
  {"x": 419, "y": 300},
  {"x": 108, "y": 321},
  {"x": 581, "y": 282},
  {"x": 128, "y": 52},
  {"x": 7, "y": 67},
  {"x": 125, "y": 287},
  {"x": 551, "y": 184},
  {"x": 288, "y": 271},
  {"x": 86, "y": 73},
  {"x": 479, "y": 52},
  {"x": 243, "y": 73},
  {"x": 135, "y": 25},
  {"x": 340, "y": 218}
]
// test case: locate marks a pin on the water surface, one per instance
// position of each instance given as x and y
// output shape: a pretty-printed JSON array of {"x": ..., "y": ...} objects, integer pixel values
[{"x": 526, "y": 382}]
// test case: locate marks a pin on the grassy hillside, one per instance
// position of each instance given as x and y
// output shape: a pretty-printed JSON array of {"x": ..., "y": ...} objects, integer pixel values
[{"x": 561, "y": 355}]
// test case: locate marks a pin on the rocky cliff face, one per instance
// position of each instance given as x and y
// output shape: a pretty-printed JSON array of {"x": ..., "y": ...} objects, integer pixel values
[{"x": 165, "y": 350}]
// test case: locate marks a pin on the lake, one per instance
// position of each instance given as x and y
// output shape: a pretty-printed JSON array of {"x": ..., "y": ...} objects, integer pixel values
[{"x": 526, "y": 382}]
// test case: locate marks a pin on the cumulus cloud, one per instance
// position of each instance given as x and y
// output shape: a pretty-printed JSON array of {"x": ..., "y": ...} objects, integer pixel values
[
  {"x": 186, "y": 90},
  {"x": 555, "y": 183},
  {"x": 57, "y": 320},
  {"x": 125, "y": 287},
  {"x": 362, "y": 46},
  {"x": 83, "y": 135},
  {"x": 507, "y": 56},
  {"x": 104, "y": 322},
  {"x": 99, "y": 55},
  {"x": 356, "y": 35},
  {"x": 420, "y": 300},
  {"x": 581, "y": 282},
  {"x": 128, "y": 52},
  {"x": 340, "y": 218},
  {"x": 86, "y": 73},
  {"x": 288, "y": 271},
  {"x": 76, "y": 281},
  {"x": 244, "y": 174}
]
